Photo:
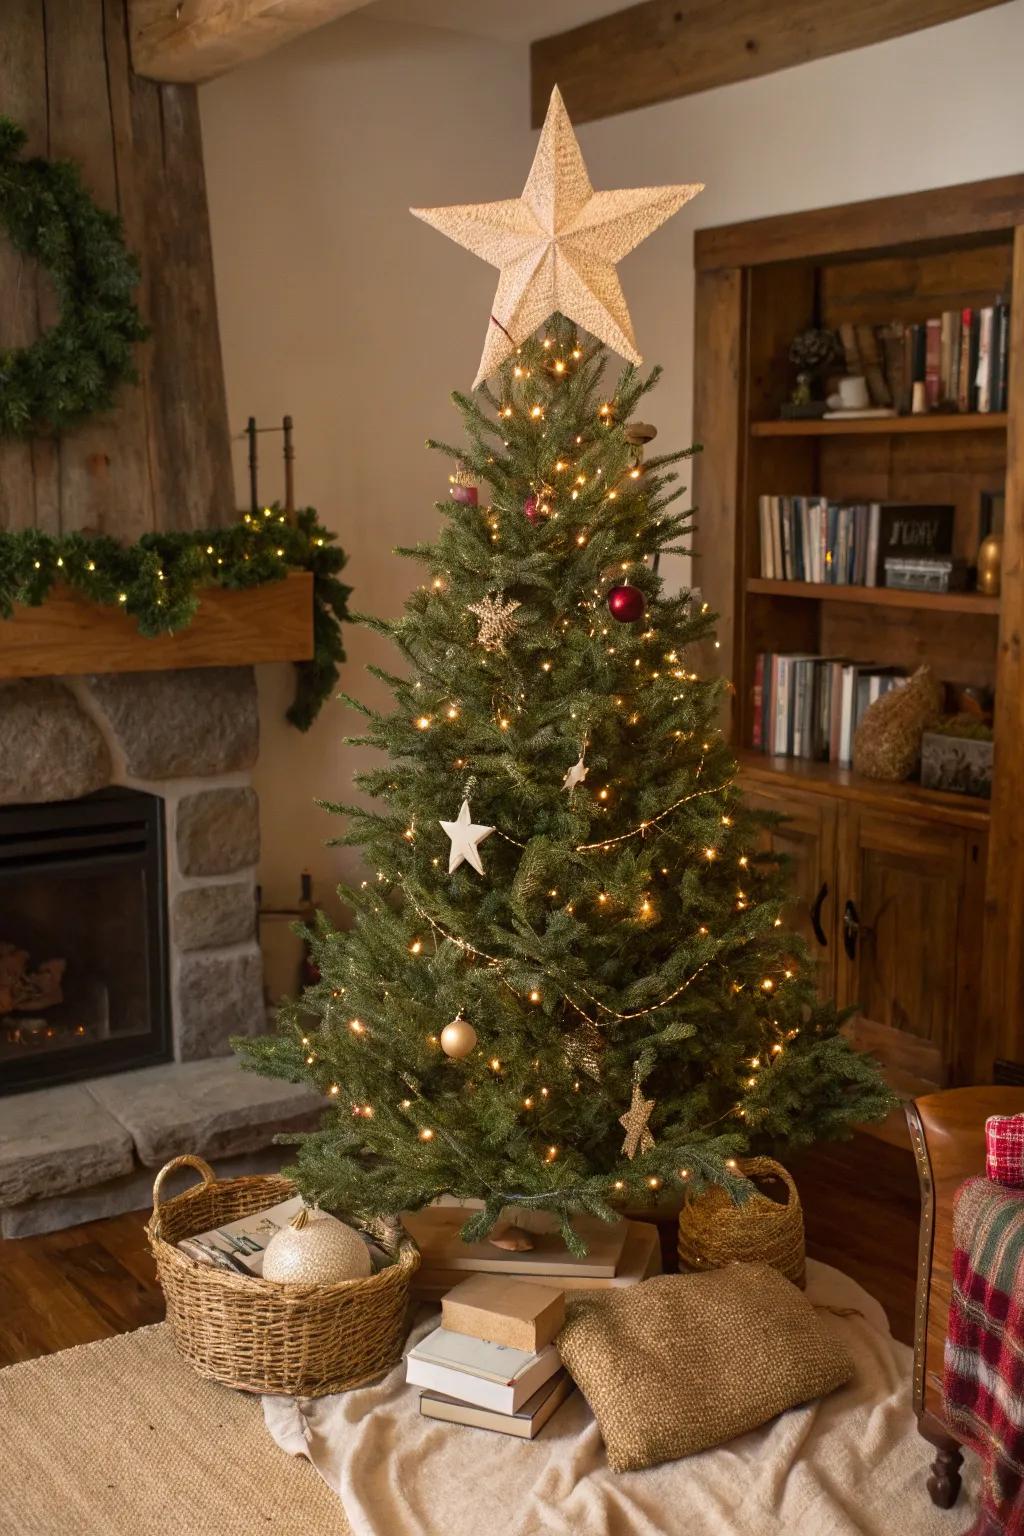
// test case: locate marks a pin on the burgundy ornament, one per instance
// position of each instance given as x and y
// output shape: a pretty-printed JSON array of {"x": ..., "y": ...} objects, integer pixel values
[
  {"x": 463, "y": 488},
  {"x": 626, "y": 603},
  {"x": 531, "y": 510}
]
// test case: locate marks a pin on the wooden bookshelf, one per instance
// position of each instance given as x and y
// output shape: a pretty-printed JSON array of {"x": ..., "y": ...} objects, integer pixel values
[
  {"x": 908, "y": 898},
  {"x": 877, "y": 426},
  {"x": 877, "y": 597}
]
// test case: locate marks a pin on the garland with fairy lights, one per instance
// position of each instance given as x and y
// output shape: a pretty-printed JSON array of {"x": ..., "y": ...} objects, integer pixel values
[
  {"x": 75, "y": 366},
  {"x": 160, "y": 579}
]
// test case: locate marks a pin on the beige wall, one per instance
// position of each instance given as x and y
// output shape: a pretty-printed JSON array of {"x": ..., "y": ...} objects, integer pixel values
[{"x": 336, "y": 306}]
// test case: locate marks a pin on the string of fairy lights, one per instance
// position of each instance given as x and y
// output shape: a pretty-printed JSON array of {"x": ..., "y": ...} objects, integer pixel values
[{"x": 570, "y": 482}]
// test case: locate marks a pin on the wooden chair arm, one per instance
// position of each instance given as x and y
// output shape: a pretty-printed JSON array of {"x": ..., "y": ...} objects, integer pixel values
[{"x": 947, "y": 1133}]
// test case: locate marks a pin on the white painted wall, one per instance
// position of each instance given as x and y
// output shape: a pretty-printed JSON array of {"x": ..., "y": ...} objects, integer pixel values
[{"x": 336, "y": 306}]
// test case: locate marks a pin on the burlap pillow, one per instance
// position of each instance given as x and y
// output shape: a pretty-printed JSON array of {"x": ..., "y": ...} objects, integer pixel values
[{"x": 684, "y": 1362}]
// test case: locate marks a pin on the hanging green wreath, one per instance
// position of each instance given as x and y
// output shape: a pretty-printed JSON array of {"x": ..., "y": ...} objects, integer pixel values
[{"x": 75, "y": 367}]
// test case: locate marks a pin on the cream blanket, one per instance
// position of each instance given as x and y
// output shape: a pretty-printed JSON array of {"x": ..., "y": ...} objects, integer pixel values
[{"x": 850, "y": 1465}]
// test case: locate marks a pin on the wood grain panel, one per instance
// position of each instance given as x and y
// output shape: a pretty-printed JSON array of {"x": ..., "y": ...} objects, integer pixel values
[
  {"x": 969, "y": 211},
  {"x": 201, "y": 39},
  {"x": 959, "y": 649},
  {"x": 808, "y": 840},
  {"x": 1003, "y": 987},
  {"x": 717, "y": 362},
  {"x": 668, "y": 48},
  {"x": 161, "y": 458},
  {"x": 915, "y": 285},
  {"x": 70, "y": 637},
  {"x": 27, "y": 470}
]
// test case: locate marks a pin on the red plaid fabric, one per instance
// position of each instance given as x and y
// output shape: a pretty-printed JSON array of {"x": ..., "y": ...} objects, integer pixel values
[{"x": 1004, "y": 1149}]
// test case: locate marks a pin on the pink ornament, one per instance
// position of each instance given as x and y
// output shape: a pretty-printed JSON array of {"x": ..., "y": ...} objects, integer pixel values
[
  {"x": 531, "y": 510},
  {"x": 466, "y": 495},
  {"x": 626, "y": 603}
]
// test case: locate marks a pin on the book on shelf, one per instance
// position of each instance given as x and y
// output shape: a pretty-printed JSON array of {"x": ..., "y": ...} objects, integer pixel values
[
  {"x": 526, "y": 1423},
  {"x": 809, "y": 707},
  {"x": 477, "y": 1371},
  {"x": 808, "y": 538},
  {"x": 961, "y": 356}
]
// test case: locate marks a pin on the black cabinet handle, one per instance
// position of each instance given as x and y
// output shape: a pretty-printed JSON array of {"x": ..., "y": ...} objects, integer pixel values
[
  {"x": 816, "y": 906},
  {"x": 851, "y": 928}
]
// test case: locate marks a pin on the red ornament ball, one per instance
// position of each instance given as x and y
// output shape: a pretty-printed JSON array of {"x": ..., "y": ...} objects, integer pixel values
[
  {"x": 531, "y": 510},
  {"x": 626, "y": 603}
]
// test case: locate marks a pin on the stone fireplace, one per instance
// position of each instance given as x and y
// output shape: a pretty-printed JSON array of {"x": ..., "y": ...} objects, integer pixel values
[{"x": 129, "y": 839}]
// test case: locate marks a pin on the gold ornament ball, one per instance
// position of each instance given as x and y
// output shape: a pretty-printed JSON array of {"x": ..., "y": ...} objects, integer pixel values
[
  {"x": 458, "y": 1038},
  {"x": 316, "y": 1249}
]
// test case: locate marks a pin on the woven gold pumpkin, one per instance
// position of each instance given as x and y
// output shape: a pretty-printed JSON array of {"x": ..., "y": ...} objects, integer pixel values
[{"x": 714, "y": 1232}]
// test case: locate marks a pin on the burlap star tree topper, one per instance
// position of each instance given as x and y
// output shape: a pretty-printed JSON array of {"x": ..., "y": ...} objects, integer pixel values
[{"x": 557, "y": 246}]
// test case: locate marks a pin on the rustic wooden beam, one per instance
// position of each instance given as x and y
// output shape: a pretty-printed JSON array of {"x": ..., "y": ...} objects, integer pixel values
[
  {"x": 974, "y": 208},
  {"x": 667, "y": 48},
  {"x": 189, "y": 41}
]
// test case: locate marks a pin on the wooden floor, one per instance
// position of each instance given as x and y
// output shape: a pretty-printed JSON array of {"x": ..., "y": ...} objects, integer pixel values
[{"x": 90, "y": 1282}]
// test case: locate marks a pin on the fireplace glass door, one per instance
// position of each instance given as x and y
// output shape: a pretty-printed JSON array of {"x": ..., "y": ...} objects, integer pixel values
[{"x": 83, "y": 947}]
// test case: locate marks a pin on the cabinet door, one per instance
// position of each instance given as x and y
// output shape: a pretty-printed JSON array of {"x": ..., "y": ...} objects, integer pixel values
[
  {"x": 908, "y": 922},
  {"x": 808, "y": 839}
]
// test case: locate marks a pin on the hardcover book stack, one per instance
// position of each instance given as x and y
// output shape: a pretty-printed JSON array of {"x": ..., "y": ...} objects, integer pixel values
[
  {"x": 493, "y": 1364},
  {"x": 618, "y": 1253},
  {"x": 961, "y": 357}
]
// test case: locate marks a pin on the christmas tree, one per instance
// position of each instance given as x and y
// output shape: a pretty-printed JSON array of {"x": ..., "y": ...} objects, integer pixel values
[{"x": 568, "y": 985}]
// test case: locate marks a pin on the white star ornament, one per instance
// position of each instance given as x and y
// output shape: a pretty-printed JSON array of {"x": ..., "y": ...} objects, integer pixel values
[
  {"x": 466, "y": 839},
  {"x": 557, "y": 245}
]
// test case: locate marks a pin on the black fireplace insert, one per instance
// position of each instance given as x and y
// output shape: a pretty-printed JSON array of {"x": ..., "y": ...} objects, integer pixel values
[{"x": 83, "y": 938}]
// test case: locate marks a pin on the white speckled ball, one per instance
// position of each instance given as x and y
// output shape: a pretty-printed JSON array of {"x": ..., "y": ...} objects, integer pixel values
[{"x": 316, "y": 1249}]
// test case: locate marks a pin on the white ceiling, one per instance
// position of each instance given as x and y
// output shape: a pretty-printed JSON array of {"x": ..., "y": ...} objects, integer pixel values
[{"x": 506, "y": 21}]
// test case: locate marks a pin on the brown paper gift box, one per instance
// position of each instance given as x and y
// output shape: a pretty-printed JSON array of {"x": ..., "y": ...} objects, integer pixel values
[{"x": 505, "y": 1311}]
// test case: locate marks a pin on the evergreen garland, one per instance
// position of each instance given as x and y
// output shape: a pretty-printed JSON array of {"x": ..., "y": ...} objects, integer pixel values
[
  {"x": 159, "y": 580},
  {"x": 75, "y": 367}
]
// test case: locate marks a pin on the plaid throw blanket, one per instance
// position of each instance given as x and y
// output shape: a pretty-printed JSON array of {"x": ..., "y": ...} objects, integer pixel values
[{"x": 983, "y": 1381}]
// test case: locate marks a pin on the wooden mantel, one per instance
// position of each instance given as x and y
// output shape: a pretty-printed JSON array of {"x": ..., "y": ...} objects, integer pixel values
[{"x": 68, "y": 636}]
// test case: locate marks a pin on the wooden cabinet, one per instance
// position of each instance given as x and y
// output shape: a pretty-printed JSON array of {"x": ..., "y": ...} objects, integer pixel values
[
  {"x": 891, "y": 905},
  {"x": 910, "y": 894},
  {"x": 807, "y": 838}
]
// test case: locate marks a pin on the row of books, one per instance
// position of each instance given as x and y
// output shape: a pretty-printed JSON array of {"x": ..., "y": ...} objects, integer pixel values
[
  {"x": 493, "y": 1363},
  {"x": 961, "y": 357},
  {"x": 809, "y": 538},
  {"x": 810, "y": 706}
]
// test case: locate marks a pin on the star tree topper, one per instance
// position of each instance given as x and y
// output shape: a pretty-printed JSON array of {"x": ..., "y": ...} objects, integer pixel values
[
  {"x": 466, "y": 839},
  {"x": 634, "y": 1123},
  {"x": 557, "y": 246}
]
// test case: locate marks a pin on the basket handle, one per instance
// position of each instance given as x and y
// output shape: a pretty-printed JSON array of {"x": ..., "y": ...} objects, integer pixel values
[
  {"x": 768, "y": 1165},
  {"x": 187, "y": 1160}
]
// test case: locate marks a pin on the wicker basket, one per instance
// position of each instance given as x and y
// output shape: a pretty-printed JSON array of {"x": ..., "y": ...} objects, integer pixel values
[
  {"x": 264, "y": 1337},
  {"x": 713, "y": 1231}
]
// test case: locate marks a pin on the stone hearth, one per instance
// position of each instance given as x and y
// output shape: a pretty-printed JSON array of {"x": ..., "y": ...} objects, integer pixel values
[{"x": 73, "y": 1151}]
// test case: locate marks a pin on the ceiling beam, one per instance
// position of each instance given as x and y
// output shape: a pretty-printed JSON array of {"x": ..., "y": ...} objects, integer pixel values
[
  {"x": 196, "y": 40},
  {"x": 667, "y": 48}
]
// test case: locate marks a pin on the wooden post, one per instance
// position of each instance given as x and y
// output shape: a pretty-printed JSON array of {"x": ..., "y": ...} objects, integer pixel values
[
  {"x": 254, "y": 493},
  {"x": 289, "y": 470}
]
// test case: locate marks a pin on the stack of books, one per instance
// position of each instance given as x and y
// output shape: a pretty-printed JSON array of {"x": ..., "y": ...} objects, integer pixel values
[
  {"x": 863, "y": 544},
  {"x": 810, "y": 706},
  {"x": 618, "y": 1253},
  {"x": 961, "y": 357},
  {"x": 493, "y": 1363}
]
